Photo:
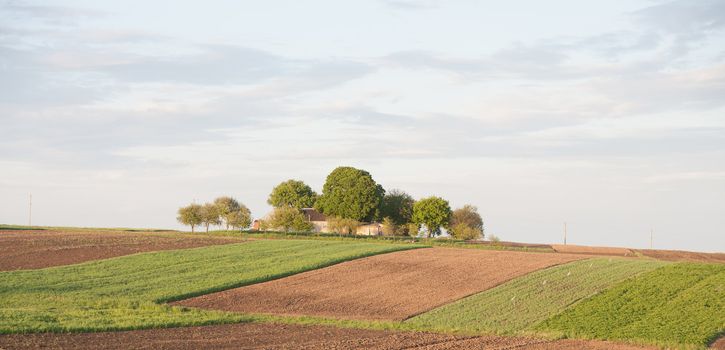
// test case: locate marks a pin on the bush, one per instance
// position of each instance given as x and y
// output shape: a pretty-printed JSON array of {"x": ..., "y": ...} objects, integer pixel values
[
  {"x": 342, "y": 225},
  {"x": 389, "y": 227},
  {"x": 465, "y": 232}
]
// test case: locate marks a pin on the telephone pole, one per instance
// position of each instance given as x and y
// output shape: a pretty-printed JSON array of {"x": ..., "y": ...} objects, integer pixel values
[
  {"x": 564, "y": 232},
  {"x": 30, "y": 209}
]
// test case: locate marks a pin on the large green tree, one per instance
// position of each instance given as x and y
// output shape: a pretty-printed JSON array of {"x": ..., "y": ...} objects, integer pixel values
[
  {"x": 190, "y": 215},
  {"x": 352, "y": 194},
  {"x": 398, "y": 206},
  {"x": 292, "y": 193},
  {"x": 433, "y": 212}
]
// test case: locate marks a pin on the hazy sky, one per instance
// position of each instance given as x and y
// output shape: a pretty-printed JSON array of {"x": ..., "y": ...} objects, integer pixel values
[{"x": 608, "y": 115}]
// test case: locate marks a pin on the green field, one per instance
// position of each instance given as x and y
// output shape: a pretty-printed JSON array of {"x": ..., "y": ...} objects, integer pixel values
[
  {"x": 522, "y": 303},
  {"x": 125, "y": 292},
  {"x": 681, "y": 303}
]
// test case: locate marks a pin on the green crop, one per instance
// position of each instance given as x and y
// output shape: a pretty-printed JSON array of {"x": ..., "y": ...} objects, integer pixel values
[{"x": 678, "y": 304}]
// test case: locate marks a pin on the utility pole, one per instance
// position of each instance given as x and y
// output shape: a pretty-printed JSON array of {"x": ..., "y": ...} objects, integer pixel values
[
  {"x": 564, "y": 232},
  {"x": 30, "y": 209}
]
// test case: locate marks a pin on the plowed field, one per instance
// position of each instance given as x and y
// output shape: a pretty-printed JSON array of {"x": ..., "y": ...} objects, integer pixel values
[
  {"x": 276, "y": 336},
  {"x": 392, "y": 286},
  {"x": 39, "y": 249}
]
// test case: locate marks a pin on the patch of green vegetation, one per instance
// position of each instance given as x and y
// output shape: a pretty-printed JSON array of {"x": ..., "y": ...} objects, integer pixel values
[
  {"x": 430, "y": 242},
  {"x": 522, "y": 303},
  {"x": 124, "y": 293},
  {"x": 677, "y": 304}
]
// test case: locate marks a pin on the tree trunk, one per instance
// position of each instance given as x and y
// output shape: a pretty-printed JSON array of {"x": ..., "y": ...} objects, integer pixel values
[
  {"x": 192, "y": 228},
  {"x": 207, "y": 228}
]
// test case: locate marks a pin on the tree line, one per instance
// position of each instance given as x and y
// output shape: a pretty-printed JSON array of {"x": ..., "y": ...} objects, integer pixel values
[
  {"x": 222, "y": 211},
  {"x": 349, "y": 198}
]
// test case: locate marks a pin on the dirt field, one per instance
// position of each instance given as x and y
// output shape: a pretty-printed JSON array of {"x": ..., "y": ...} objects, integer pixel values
[
  {"x": 679, "y": 255},
  {"x": 39, "y": 249},
  {"x": 391, "y": 286},
  {"x": 276, "y": 336},
  {"x": 580, "y": 249}
]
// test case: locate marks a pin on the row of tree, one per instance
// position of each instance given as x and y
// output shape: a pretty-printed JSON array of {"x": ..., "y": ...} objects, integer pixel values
[
  {"x": 351, "y": 196},
  {"x": 223, "y": 211}
]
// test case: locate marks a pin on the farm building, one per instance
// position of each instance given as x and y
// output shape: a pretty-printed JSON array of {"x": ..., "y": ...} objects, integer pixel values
[{"x": 317, "y": 219}]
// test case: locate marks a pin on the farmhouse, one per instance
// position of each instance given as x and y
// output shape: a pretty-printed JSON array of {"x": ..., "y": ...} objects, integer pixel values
[{"x": 317, "y": 219}]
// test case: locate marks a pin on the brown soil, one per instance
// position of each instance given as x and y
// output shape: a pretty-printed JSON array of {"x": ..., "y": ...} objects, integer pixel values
[
  {"x": 391, "y": 286},
  {"x": 39, "y": 249},
  {"x": 719, "y": 344},
  {"x": 679, "y": 255},
  {"x": 278, "y": 336},
  {"x": 580, "y": 249}
]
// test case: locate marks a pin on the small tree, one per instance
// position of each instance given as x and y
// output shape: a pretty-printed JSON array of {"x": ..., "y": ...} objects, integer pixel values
[
  {"x": 239, "y": 219},
  {"x": 389, "y": 227},
  {"x": 210, "y": 215},
  {"x": 292, "y": 193},
  {"x": 288, "y": 219},
  {"x": 398, "y": 206},
  {"x": 411, "y": 230},
  {"x": 342, "y": 225},
  {"x": 190, "y": 215},
  {"x": 465, "y": 232},
  {"x": 466, "y": 223},
  {"x": 226, "y": 206},
  {"x": 433, "y": 212}
]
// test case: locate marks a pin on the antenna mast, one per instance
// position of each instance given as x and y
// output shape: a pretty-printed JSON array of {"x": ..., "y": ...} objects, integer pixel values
[{"x": 30, "y": 209}]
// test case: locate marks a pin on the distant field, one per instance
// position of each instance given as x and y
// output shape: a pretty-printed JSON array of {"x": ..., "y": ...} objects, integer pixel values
[
  {"x": 682, "y": 303},
  {"x": 39, "y": 249},
  {"x": 122, "y": 293},
  {"x": 521, "y": 303}
]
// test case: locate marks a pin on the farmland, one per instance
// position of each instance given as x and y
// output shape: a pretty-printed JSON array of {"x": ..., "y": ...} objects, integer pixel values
[
  {"x": 227, "y": 290},
  {"x": 383, "y": 287},
  {"x": 124, "y": 292},
  {"x": 525, "y": 301},
  {"x": 679, "y": 303},
  {"x": 33, "y": 249}
]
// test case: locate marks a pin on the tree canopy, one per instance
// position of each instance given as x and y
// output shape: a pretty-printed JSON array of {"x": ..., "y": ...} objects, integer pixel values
[
  {"x": 287, "y": 219},
  {"x": 190, "y": 215},
  {"x": 398, "y": 206},
  {"x": 433, "y": 212},
  {"x": 466, "y": 223},
  {"x": 351, "y": 194},
  {"x": 210, "y": 215},
  {"x": 292, "y": 193},
  {"x": 227, "y": 206}
]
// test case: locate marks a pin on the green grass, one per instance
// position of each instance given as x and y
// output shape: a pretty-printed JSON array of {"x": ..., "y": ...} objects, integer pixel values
[
  {"x": 520, "y": 304},
  {"x": 124, "y": 293},
  {"x": 681, "y": 303}
]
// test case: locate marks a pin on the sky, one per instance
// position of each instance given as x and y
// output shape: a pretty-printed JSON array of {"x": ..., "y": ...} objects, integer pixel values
[{"x": 607, "y": 115}]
